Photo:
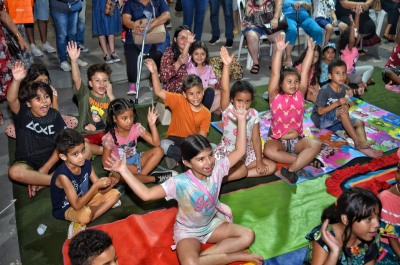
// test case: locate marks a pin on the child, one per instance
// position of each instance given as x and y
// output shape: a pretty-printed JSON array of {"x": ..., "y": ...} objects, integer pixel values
[
  {"x": 325, "y": 16},
  {"x": 287, "y": 105},
  {"x": 77, "y": 194},
  {"x": 314, "y": 73},
  {"x": 188, "y": 114},
  {"x": 36, "y": 124},
  {"x": 91, "y": 247},
  {"x": 198, "y": 65},
  {"x": 121, "y": 138},
  {"x": 390, "y": 221},
  {"x": 252, "y": 164},
  {"x": 331, "y": 110},
  {"x": 391, "y": 71},
  {"x": 359, "y": 75},
  {"x": 39, "y": 73},
  {"x": 93, "y": 101},
  {"x": 105, "y": 26},
  {"x": 349, "y": 231},
  {"x": 328, "y": 54},
  {"x": 201, "y": 217}
]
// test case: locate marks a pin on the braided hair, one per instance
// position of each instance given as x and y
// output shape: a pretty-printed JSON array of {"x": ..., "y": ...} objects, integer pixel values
[{"x": 116, "y": 107}]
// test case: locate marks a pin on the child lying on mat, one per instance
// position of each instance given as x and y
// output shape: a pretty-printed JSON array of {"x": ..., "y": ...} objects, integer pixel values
[
  {"x": 252, "y": 164},
  {"x": 349, "y": 233},
  {"x": 390, "y": 221},
  {"x": 201, "y": 216},
  {"x": 36, "y": 124},
  {"x": 92, "y": 247},
  {"x": 77, "y": 194},
  {"x": 286, "y": 93},
  {"x": 331, "y": 110}
]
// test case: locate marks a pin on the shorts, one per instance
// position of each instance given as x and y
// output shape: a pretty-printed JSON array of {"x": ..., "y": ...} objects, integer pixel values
[
  {"x": 83, "y": 216},
  {"x": 41, "y": 10},
  {"x": 95, "y": 138},
  {"x": 221, "y": 151},
  {"x": 260, "y": 31},
  {"x": 388, "y": 68},
  {"x": 135, "y": 160},
  {"x": 322, "y": 22},
  {"x": 289, "y": 145},
  {"x": 332, "y": 122}
]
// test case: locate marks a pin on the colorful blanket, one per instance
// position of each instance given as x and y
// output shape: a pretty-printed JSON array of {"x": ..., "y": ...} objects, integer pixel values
[{"x": 381, "y": 126}]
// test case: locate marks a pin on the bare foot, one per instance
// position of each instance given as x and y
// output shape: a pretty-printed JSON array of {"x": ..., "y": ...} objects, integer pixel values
[
  {"x": 34, "y": 189},
  {"x": 254, "y": 258},
  {"x": 364, "y": 145},
  {"x": 371, "y": 152}
]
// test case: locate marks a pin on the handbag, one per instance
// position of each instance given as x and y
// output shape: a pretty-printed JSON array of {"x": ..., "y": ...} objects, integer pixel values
[
  {"x": 268, "y": 15},
  {"x": 109, "y": 9},
  {"x": 16, "y": 53},
  {"x": 221, "y": 207},
  {"x": 236, "y": 72},
  {"x": 157, "y": 35}
]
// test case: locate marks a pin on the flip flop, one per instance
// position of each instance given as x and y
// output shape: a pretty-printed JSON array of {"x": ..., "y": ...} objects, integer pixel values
[
  {"x": 32, "y": 190},
  {"x": 255, "y": 69}
]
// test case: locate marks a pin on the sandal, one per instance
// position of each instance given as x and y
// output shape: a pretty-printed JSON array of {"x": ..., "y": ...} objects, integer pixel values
[
  {"x": 290, "y": 176},
  {"x": 317, "y": 163},
  {"x": 32, "y": 190},
  {"x": 255, "y": 69}
]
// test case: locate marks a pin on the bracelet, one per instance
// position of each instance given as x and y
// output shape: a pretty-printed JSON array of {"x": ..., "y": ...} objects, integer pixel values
[{"x": 18, "y": 35}]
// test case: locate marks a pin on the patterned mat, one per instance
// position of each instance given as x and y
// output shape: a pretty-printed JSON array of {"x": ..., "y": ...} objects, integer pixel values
[{"x": 381, "y": 126}]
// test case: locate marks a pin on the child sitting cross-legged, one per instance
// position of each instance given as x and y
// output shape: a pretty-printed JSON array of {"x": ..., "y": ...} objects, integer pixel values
[
  {"x": 253, "y": 164},
  {"x": 188, "y": 115},
  {"x": 201, "y": 216},
  {"x": 331, "y": 110},
  {"x": 77, "y": 194}
]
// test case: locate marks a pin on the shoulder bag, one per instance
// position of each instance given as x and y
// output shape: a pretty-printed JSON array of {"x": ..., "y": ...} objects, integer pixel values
[
  {"x": 268, "y": 15},
  {"x": 157, "y": 35}
]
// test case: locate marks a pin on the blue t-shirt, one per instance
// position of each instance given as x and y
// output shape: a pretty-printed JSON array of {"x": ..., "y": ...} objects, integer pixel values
[{"x": 81, "y": 184}]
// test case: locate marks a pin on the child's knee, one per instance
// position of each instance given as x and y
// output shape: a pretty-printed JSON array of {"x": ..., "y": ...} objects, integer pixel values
[
  {"x": 158, "y": 151},
  {"x": 248, "y": 236},
  {"x": 359, "y": 123},
  {"x": 15, "y": 172}
]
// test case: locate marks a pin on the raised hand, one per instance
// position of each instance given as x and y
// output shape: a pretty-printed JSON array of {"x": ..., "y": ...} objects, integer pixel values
[
  {"x": 351, "y": 19},
  {"x": 116, "y": 164},
  {"x": 280, "y": 42},
  {"x": 73, "y": 50},
  {"x": 103, "y": 182},
  {"x": 240, "y": 111},
  {"x": 109, "y": 88},
  {"x": 191, "y": 39},
  {"x": 310, "y": 43},
  {"x": 18, "y": 71},
  {"x": 152, "y": 115},
  {"x": 151, "y": 65},
  {"x": 329, "y": 239},
  {"x": 225, "y": 57}
]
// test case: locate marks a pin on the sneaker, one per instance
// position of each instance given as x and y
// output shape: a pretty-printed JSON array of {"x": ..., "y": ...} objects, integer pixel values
[
  {"x": 265, "y": 95},
  {"x": 115, "y": 57},
  {"x": 35, "y": 51},
  {"x": 132, "y": 90},
  {"x": 48, "y": 48},
  {"x": 229, "y": 43},
  {"x": 213, "y": 41},
  {"x": 171, "y": 163},
  {"x": 291, "y": 176},
  {"x": 118, "y": 204},
  {"x": 65, "y": 66},
  {"x": 83, "y": 48},
  {"x": 108, "y": 59},
  {"x": 162, "y": 176},
  {"x": 82, "y": 62},
  {"x": 74, "y": 228}
]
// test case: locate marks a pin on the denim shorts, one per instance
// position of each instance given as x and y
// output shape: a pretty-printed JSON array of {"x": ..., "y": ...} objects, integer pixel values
[
  {"x": 332, "y": 122},
  {"x": 322, "y": 22},
  {"x": 41, "y": 10},
  {"x": 135, "y": 160},
  {"x": 258, "y": 30}
]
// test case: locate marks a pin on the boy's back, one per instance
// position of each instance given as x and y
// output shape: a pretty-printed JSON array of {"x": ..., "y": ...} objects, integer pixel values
[{"x": 185, "y": 121}]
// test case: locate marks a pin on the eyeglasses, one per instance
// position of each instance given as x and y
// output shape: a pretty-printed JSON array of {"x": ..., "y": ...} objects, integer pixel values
[{"x": 101, "y": 82}]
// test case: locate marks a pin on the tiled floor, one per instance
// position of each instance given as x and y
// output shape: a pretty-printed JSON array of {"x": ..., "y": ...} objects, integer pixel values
[{"x": 9, "y": 249}]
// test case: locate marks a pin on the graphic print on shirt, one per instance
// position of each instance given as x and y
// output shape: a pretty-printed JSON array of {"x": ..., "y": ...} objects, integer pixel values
[
  {"x": 201, "y": 203},
  {"x": 36, "y": 127},
  {"x": 129, "y": 149}
]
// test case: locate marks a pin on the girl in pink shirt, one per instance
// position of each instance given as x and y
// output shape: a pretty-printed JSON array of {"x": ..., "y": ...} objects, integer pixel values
[{"x": 286, "y": 95}]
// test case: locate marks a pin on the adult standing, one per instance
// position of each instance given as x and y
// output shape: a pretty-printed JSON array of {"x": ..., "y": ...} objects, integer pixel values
[
  {"x": 5, "y": 57},
  {"x": 214, "y": 18},
  {"x": 253, "y": 27},
  {"x": 194, "y": 12},
  {"x": 367, "y": 27},
  {"x": 65, "y": 17},
  {"x": 132, "y": 13},
  {"x": 297, "y": 15},
  {"x": 80, "y": 30},
  {"x": 392, "y": 8}
]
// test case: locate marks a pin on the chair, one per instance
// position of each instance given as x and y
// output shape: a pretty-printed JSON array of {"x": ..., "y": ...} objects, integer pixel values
[{"x": 380, "y": 18}]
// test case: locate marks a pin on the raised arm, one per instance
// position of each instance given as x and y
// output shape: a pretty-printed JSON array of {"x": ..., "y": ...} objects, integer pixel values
[
  {"x": 306, "y": 65},
  {"x": 240, "y": 148},
  {"x": 141, "y": 190},
  {"x": 273, "y": 87},
  {"x": 158, "y": 90},
  {"x": 225, "y": 91},
  {"x": 19, "y": 73},
  {"x": 6, "y": 20},
  {"x": 74, "y": 52},
  {"x": 154, "y": 137}
]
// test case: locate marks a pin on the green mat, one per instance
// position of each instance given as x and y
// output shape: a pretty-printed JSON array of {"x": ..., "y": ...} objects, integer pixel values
[{"x": 280, "y": 215}]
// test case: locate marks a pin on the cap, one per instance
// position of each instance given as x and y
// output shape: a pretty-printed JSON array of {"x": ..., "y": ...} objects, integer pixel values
[{"x": 329, "y": 45}]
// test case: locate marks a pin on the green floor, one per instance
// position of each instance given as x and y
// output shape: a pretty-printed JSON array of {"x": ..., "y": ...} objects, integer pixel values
[{"x": 46, "y": 249}]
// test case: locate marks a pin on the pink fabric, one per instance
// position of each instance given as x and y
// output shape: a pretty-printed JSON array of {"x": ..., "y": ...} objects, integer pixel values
[
  {"x": 310, "y": 74},
  {"x": 390, "y": 210},
  {"x": 287, "y": 113},
  {"x": 207, "y": 77},
  {"x": 394, "y": 59},
  {"x": 350, "y": 57}
]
